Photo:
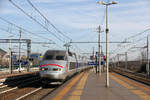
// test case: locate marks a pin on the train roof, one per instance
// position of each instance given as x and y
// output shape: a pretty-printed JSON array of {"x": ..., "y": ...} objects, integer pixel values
[{"x": 56, "y": 51}]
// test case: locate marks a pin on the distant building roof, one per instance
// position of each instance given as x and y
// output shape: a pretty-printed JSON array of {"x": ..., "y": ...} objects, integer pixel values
[{"x": 2, "y": 52}]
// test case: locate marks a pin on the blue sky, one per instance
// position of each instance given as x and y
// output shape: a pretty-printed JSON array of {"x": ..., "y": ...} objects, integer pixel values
[{"x": 78, "y": 19}]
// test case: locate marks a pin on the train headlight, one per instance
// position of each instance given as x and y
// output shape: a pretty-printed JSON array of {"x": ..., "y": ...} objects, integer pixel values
[
  {"x": 56, "y": 69},
  {"x": 59, "y": 69},
  {"x": 42, "y": 69}
]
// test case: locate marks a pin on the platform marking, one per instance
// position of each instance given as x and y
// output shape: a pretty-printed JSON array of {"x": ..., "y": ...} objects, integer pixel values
[
  {"x": 133, "y": 83},
  {"x": 75, "y": 95},
  {"x": 140, "y": 93},
  {"x": 64, "y": 91}
]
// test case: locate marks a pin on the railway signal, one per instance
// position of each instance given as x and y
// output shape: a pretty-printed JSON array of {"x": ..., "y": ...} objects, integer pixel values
[{"x": 104, "y": 58}]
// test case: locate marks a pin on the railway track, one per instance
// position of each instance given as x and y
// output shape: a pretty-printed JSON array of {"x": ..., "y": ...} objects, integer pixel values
[
  {"x": 16, "y": 86},
  {"x": 135, "y": 76},
  {"x": 15, "y": 92},
  {"x": 15, "y": 81},
  {"x": 29, "y": 88},
  {"x": 25, "y": 88},
  {"x": 39, "y": 93}
]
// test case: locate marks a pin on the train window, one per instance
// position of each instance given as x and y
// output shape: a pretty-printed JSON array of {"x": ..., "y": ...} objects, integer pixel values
[
  {"x": 49, "y": 57},
  {"x": 59, "y": 57},
  {"x": 72, "y": 65}
]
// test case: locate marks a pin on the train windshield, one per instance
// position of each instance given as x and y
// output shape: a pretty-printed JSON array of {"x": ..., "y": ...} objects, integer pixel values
[
  {"x": 60, "y": 58},
  {"x": 55, "y": 55},
  {"x": 51, "y": 57}
]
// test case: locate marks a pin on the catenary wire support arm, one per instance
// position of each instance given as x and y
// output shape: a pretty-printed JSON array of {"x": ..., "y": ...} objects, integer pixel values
[{"x": 82, "y": 42}]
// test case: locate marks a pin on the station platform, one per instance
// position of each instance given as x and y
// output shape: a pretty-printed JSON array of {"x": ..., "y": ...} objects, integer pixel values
[
  {"x": 91, "y": 86},
  {"x": 5, "y": 74}
]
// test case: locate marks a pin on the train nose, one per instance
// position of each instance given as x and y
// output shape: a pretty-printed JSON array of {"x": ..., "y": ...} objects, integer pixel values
[
  {"x": 52, "y": 66},
  {"x": 50, "y": 69}
]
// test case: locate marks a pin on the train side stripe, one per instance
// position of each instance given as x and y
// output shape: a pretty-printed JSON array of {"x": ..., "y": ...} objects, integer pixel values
[{"x": 51, "y": 65}]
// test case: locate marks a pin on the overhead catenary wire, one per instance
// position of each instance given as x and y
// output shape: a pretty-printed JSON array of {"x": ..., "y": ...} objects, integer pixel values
[
  {"x": 12, "y": 33},
  {"x": 36, "y": 21},
  {"x": 140, "y": 33},
  {"x": 48, "y": 20},
  {"x": 5, "y": 30},
  {"x": 133, "y": 36},
  {"x": 62, "y": 40},
  {"x": 134, "y": 45},
  {"x": 24, "y": 29},
  {"x": 51, "y": 23}
]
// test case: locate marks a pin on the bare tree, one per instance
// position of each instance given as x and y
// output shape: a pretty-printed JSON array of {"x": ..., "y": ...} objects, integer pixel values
[{"x": 143, "y": 56}]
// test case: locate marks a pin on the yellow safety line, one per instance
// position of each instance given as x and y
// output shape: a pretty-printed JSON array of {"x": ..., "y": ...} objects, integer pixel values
[
  {"x": 133, "y": 83},
  {"x": 64, "y": 91},
  {"x": 140, "y": 93},
  {"x": 75, "y": 95}
]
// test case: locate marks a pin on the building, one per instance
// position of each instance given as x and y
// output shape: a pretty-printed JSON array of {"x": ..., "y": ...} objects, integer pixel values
[
  {"x": 36, "y": 56},
  {"x": 3, "y": 53}
]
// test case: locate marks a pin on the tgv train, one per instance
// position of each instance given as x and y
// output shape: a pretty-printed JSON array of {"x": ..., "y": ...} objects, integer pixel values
[{"x": 58, "y": 65}]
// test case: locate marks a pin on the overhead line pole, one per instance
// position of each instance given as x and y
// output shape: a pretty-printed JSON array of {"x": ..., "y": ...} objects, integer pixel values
[
  {"x": 126, "y": 60},
  {"x": 147, "y": 57},
  {"x": 99, "y": 49},
  {"x": 10, "y": 58},
  {"x": 20, "y": 50},
  {"x": 107, "y": 31},
  {"x": 107, "y": 62}
]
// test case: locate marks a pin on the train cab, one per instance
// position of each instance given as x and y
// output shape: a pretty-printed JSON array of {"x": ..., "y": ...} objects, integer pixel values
[{"x": 54, "y": 65}]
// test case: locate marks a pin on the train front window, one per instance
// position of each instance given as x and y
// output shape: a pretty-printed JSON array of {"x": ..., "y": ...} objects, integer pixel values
[
  {"x": 59, "y": 57},
  {"x": 49, "y": 57}
]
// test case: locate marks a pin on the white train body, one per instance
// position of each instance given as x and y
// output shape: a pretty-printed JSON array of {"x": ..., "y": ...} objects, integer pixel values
[{"x": 57, "y": 65}]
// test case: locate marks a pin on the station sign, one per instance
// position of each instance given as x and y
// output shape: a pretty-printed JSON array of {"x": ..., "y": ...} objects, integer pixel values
[
  {"x": 22, "y": 63},
  {"x": 94, "y": 63}
]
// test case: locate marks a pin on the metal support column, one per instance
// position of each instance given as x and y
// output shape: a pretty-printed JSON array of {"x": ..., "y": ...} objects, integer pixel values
[
  {"x": 20, "y": 51},
  {"x": 147, "y": 57},
  {"x": 118, "y": 60},
  {"x": 114, "y": 62},
  {"x": 126, "y": 60},
  {"x": 28, "y": 53},
  {"x": 107, "y": 56},
  {"x": 10, "y": 58},
  {"x": 99, "y": 50}
]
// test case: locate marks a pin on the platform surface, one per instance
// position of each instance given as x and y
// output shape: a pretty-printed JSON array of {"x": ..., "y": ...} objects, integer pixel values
[
  {"x": 4, "y": 74},
  {"x": 92, "y": 86}
]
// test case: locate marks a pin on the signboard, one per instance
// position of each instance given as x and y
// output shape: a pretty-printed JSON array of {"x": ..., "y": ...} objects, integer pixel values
[
  {"x": 102, "y": 63},
  {"x": 22, "y": 63},
  {"x": 94, "y": 63}
]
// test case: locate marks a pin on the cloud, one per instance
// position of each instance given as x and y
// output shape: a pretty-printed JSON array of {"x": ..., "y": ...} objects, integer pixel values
[{"x": 76, "y": 16}]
